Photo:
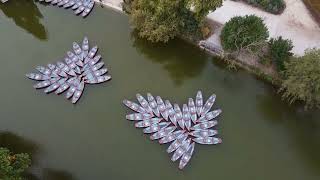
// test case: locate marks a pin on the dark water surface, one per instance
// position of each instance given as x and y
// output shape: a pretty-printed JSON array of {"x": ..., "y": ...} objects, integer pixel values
[{"x": 264, "y": 138}]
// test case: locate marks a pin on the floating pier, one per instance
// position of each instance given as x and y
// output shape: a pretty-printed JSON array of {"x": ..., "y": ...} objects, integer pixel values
[
  {"x": 182, "y": 127},
  {"x": 80, "y": 7},
  {"x": 80, "y": 66}
]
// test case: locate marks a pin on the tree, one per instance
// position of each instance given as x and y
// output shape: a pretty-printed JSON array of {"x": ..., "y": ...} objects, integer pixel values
[
  {"x": 162, "y": 20},
  {"x": 13, "y": 165},
  {"x": 247, "y": 33},
  {"x": 302, "y": 79},
  {"x": 280, "y": 51},
  {"x": 157, "y": 20}
]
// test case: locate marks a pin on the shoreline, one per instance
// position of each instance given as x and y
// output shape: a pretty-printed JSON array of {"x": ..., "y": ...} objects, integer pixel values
[
  {"x": 115, "y": 5},
  {"x": 111, "y": 4}
]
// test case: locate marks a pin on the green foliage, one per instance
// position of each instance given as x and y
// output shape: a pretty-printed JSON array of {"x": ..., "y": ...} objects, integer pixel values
[
  {"x": 157, "y": 20},
  {"x": 162, "y": 20},
  {"x": 280, "y": 51},
  {"x": 13, "y": 165},
  {"x": 244, "y": 33},
  {"x": 302, "y": 79},
  {"x": 272, "y": 6},
  {"x": 127, "y": 6}
]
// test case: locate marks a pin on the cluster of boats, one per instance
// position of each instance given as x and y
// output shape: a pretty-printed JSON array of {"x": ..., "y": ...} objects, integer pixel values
[
  {"x": 80, "y": 66},
  {"x": 167, "y": 123},
  {"x": 83, "y": 7}
]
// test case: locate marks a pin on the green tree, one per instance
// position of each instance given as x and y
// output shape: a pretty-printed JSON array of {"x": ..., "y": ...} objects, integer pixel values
[
  {"x": 244, "y": 33},
  {"x": 13, "y": 165},
  {"x": 157, "y": 20},
  {"x": 302, "y": 79},
  {"x": 280, "y": 51},
  {"x": 162, "y": 20}
]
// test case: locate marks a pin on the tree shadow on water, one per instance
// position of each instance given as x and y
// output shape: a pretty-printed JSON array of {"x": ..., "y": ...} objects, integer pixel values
[
  {"x": 302, "y": 126},
  {"x": 181, "y": 59},
  {"x": 51, "y": 174},
  {"x": 26, "y": 15},
  {"x": 18, "y": 144}
]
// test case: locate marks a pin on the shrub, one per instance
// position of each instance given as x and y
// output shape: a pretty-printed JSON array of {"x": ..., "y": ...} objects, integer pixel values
[
  {"x": 280, "y": 51},
  {"x": 127, "y": 6},
  {"x": 13, "y": 165},
  {"x": 244, "y": 33},
  {"x": 302, "y": 79},
  {"x": 272, "y": 6}
]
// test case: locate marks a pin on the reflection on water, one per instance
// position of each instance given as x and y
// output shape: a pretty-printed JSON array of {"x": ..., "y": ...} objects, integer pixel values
[
  {"x": 51, "y": 174},
  {"x": 26, "y": 15},
  {"x": 302, "y": 126},
  {"x": 181, "y": 66},
  {"x": 18, "y": 144}
]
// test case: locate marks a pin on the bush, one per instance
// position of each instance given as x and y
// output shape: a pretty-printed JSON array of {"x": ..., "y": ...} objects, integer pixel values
[
  {"x": 302, "y": 79},
  {"x": 272, "y": 6},
  {"x": 280, "y": 51},
  {"x": 13, "y": 165},
  {"x": 127, "y": 6},
  {"x": 244, "y": 33}
]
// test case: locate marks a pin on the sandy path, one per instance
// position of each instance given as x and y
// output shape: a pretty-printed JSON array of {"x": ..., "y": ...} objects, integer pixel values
[
  {"x": 295, "y": 23},
  {"x": 115, "y": 4}
]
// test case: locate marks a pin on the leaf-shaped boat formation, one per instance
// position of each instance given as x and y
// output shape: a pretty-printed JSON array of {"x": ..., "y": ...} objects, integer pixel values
[
  {"x": 80, "y": 7},
  {"x": 182, "y": 127},
  {"x": 80, "y": 66}
]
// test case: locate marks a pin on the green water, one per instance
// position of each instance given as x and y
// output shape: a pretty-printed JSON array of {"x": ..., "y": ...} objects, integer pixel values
[{"x": 263, "y": 138}]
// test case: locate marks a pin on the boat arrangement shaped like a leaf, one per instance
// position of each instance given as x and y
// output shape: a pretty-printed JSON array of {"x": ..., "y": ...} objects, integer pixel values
[
  {"x": 80, "y": 66},
  {"x": 182, "y": 127},
  {"x": 80, "y": 7}
]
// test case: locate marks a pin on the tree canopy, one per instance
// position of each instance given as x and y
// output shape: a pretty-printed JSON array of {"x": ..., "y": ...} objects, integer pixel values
[
  {"x": 13, "y": 165},
  {"x": 244, "y": 33},
  {"x": 280, "y": 51},
  {"x": 162, "y": 20},
  {"x": 302, "y": 79}
]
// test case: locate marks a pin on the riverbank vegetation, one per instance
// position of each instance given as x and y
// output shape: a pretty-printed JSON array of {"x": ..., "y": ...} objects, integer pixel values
[
  {"x": 247, "y": 33},
  {"x": 162, "y": 20},
  {"x": 280, "y": 51},
  {"x": 12, "y": 166},
  {"x": 244, "y": 39},
  {"x": 299, "y": 76},
  {"x": 302, "y": 79},
  {"x": 271, "y": 6}
]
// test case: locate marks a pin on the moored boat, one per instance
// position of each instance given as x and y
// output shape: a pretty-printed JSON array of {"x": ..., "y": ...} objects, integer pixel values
[
  {"x": 181, "y": 150},
  {"x": 88, "y": 9},
  {"x": 79, "y": 10},
  {"x": 199, "y": 103},
  {"x": 207, "y": 140},
  {"x": 186, "y": 156},
  {"x": 153, "y": 104}
]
